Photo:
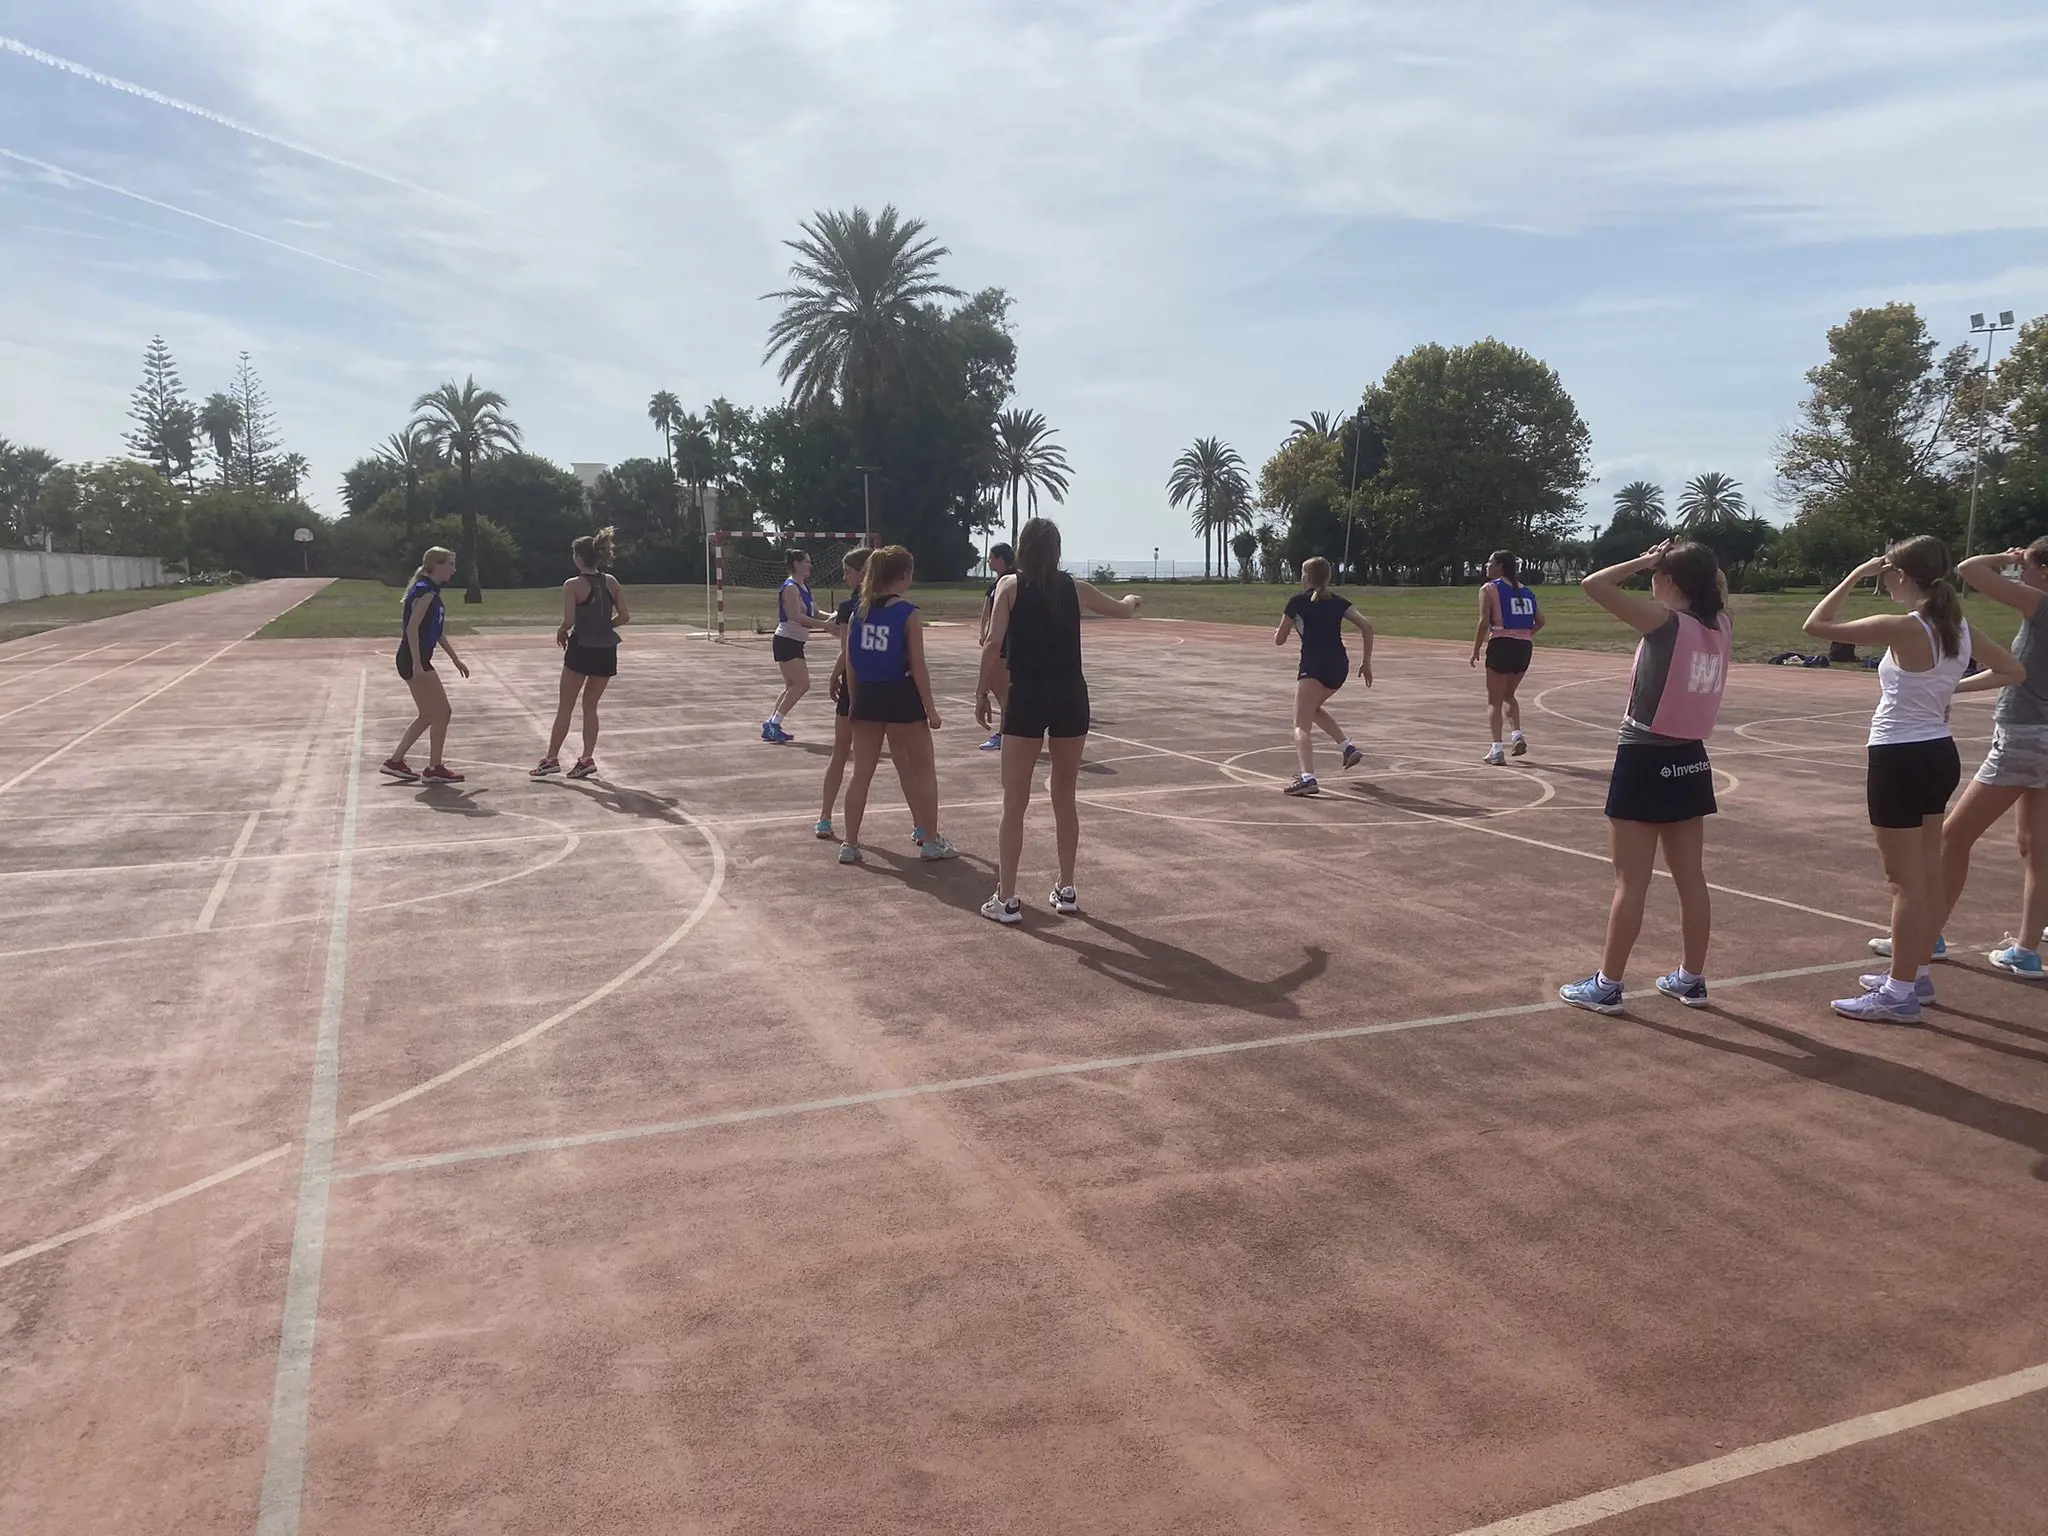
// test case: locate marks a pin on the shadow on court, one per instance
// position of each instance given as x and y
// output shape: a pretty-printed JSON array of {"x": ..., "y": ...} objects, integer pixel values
[
  {"x": 449, "y": 801},
  {"x": 1874, "y": 1077},
  {"x": 629, "y": 802},
  {"x": 1393, "y": 799}
]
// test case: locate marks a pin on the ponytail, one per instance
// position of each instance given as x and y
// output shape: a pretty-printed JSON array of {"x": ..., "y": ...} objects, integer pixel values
[
  {"x": 1697, "y": 575},
  {"x": 593, "y": 549},
  {"x": 886, "y": 567},
  {"x": 1315, "y": 574},
  {"x": 1924, "y": 561},
  {"x": 433, "y": 557}
]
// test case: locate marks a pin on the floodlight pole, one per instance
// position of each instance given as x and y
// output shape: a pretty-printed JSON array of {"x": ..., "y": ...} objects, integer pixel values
[
  {"x": 1989, "y": 331},
  {"x": 1357, "y": 438}
]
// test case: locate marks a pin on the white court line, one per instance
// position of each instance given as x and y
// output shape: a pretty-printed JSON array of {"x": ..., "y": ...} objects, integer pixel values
[
  {"x": 62, "y": 661},
  {"x": 85, "y": 736},
  {"x": 1768, "y": 1456},
  {"x": 86, "y": 682},
  {"x": 130, "y": 1213},
  {"x": 227, "y": 873},
  {"x": 284, "y": 1460},
  {"x": 1020, "y": 1075}
]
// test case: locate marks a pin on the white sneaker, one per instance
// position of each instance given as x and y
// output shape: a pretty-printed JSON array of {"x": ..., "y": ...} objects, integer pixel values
[
  {"x": 1497, "y": 756},
  {"x": 997, "y": 910},
  {"x": 1065, "y": 900}
]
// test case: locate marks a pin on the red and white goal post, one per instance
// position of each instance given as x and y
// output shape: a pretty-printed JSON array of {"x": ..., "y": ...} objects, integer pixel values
[{"x": 735, "y": 569}]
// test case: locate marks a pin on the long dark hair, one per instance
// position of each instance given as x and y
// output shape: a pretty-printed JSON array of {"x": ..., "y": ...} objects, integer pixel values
[
  {"x": 593, "y": 549},
  {"x": 1924, "y": 561},
  {"x": 1510, "y": 567},
  {"x": 1697, "y": 574},
  {"x": 1038, "y": 552}
]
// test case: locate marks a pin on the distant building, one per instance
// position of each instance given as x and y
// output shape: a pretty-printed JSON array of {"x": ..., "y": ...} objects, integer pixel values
[{"x": 588, "y": 474}]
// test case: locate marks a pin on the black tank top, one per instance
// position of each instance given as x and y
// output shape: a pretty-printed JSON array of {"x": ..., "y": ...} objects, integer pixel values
[{"x": 1045, "y": 632}]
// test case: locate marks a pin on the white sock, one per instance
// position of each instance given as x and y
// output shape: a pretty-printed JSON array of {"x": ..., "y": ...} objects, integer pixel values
[
  {"x": 1688, "y": 977},
  {"x": 1514, "y": 735},
  {"x": 776, "y": 718},
  {"x": 1926, "y": 973},
  {"x": 1348, "y": 745},
  {"x": 1496, "y": 746},
  {"x": 1605, "y": 980},
  {"x": 1896, "y": 990}
]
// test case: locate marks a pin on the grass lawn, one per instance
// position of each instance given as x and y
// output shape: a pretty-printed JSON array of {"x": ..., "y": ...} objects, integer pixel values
[
  {"x": 40, "y": 613},
  {"x": 1765, "y": 624}
]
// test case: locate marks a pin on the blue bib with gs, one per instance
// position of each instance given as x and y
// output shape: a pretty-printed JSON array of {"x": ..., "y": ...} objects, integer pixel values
[{"x": 877, "y": 641}]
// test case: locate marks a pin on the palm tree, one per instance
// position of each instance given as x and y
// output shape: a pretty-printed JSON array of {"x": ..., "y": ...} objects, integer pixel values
[
  {"x": 1319, "y": 424},
  {"x": 1028, "y": 460},
  {"x": 220, "y": 420},
  {"x": 728, "y": 425},
  {"x": 665, "y": 410},
  {"x": 696, "y": 456},
  {"x": 853, "y": 317},
  {"x": 1211, "y": 475},
  {"x": 464, "y": 424},
  {"x": 1711, "y": 502},
  {"x": 412, "y": 455},
  {"x": 1640, "y": 499}
]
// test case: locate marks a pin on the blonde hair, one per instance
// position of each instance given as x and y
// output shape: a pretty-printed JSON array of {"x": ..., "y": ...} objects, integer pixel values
[
  {"x": 886, "y": 567},
  {"x": 593, "y": 549},
  {"x": 429, "y": 560},
  {"x": 1315, "y": 573}
]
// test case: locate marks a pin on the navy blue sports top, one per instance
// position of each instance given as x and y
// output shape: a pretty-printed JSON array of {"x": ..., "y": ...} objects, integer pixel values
[
  {"x": 432, "y": 625},
  {"x": 878, "y": 641}
]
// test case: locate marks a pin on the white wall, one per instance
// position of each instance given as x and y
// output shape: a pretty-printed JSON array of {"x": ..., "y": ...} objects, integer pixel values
[{"x": 27, "y": 573}]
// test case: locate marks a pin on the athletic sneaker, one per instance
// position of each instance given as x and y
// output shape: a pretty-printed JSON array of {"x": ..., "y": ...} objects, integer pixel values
[
  {"x": 1064, "y": 899},
  {"x": 1593, "y": 994},
  {"x": 825, "y": 832},
  {"x": 1518, "y": 747},
  {"x": 1923, "y": 986},
  {"x": 849, "y": 853},
  {"x": 1691, "y": 993},
  {"x": 917, "y": 836},
  {"x": 398, "y": 768},
  {"x": 1496, "y": 757},
  {"x": 997, "y": 910},
  {"x": 586, "y": 768},
  {"x": 775, "y": 733},
  {"x": 2020, "y": 962},
  {"x": 441, "y": 773},
  {"x": 1301, "y": 784},
  {"x": 1352, "y": 756},
  {"x": 994, "y": 743},
  {"x": 546, "y": 766},
  {"x": 1879, "y": 1008},
  {"x": 936, "y": 847},
  {"x": 1883, "y": 947}
]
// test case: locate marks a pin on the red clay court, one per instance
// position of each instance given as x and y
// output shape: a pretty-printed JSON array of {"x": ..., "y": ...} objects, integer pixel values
[{"x": 552, "y": 1157}]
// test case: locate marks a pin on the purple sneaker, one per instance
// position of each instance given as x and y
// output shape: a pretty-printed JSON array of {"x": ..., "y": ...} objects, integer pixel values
[{"x": 1879, "y": 1008}]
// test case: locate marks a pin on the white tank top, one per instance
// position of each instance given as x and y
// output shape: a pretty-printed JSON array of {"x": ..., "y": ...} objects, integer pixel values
[{"x": 1914, "y": 705}]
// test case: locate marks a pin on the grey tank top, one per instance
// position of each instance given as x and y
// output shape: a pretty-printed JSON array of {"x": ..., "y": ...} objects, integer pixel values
[
  {"x": 594, "y": 614},
  {"x": 2027, "y": 703}
]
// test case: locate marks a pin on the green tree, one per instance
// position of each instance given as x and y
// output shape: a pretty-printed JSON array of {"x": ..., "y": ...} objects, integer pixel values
[
  {"x": 666, "y": 412},
  {"x": 1878, "y": 432},
  {"x": 22, "y": 472},
  {"x": 122, "y": 507},
  {"x": 1709, "y": 502},
  {"x": 1244, "y": 544},
  {"x": 1319, "y": 424},
  {"x": 256, "y": 445},
  {"x": 404, "y": 457},
  {"x": 1484, "y": 449},
  {"x": 855, "y": 318},
  {"x": 220, "y": 423},
  {"x": 247, "y": 529},
  {"x": 1641, "y": 499},
  {"x": 1208, "y": 475},
  {"x": 464, "y": 425},
  {"x": 160, "y": 412},
  {"x": 2013, "y": 506},
  {"x": 1029, "y": 461}
]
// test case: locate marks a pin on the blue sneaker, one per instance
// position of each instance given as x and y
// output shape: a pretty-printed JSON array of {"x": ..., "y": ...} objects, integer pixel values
[
  {"x": 1691, "y": 993},
  {"x": 1879, "y": 1008},
  {"x": 771, "y": 731},
  {"x": 2019, "y": 962},
  {"x": 825, "y": 833},
  {"x": 767, "y": 730},
  {"x": 1883, "y": 947},
  {"x": 994, "y": 743},
  {"x": 936, "y": 847},
  {"x": 1923, "y": 986},
  {"x": 1593, "y": 994}
]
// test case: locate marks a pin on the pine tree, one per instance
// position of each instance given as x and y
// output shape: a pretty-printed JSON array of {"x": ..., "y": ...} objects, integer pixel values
[
  {"x": 159, "y": 410},
  {"x": 256, "y": 442}
]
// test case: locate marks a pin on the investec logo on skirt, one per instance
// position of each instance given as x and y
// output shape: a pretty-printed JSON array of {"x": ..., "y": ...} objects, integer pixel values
[{"x": 1680, "y": 770}]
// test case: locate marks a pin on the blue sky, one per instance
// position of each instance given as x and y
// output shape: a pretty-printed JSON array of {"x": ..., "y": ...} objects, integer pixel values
[{"x": 1213, "y": 217}]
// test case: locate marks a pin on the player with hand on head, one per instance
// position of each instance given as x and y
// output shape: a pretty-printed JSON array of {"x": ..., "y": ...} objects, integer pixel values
[
  {"x": 1509, "y": 619},
  {"x": 1320, "y": 615}
]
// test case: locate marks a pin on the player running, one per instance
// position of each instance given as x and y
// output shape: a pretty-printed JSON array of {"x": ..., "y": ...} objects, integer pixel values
[
  {"x": 1509, "y": 620},
  {"x": 1321, "y": 615}
]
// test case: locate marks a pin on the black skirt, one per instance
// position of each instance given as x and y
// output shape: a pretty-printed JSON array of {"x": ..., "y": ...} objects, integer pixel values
[
  {"x": 591, "y": 660},
  {"x": 1661, "y": 783}
]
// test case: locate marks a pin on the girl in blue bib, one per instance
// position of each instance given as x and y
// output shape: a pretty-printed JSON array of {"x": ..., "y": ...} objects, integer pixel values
[
  {"x": 421, "y": 630},
  {"x": 1508, "y": 621}
]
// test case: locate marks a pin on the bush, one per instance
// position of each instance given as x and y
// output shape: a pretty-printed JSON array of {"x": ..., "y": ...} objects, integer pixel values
[{"x": 1103, "y": 575}]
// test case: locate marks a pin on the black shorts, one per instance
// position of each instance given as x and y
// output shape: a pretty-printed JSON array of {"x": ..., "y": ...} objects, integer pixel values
[
  {"x": 1661, "y": 784},
  {"x": 1330, "y": 671},
  {"x": 1035, "y": 710},
  {"x": 892, "y": 703},
  {"x": 1912, "y": 780},
  {"x": 843, "y": 705},
  {"x": 1509, "y": 656},
  {"x": 591, "y": 660},
  {"x": 784, "y": 649},
  {"x": 405, "y": 661}
]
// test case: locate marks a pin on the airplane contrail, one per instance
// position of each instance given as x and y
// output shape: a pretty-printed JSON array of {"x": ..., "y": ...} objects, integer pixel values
[
  {"x": 185, "y": 213},
  {"x": 207, "y": 114}
]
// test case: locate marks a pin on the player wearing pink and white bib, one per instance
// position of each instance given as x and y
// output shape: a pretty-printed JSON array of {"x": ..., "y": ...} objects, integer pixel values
[{"x": 1662, "y": 789}]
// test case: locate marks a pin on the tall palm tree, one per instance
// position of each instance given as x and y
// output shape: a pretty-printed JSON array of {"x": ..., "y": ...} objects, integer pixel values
[
  {"x": 728, "y": 425},
  {"x": 1711, "y": 502},
  {"x": 665, "y": 410},
  {"x": 1319, "y": 424},
  {"x": 464, "y": 424},
  {"x": 1641, "y": 499},
  {"x": 1211, "y": 475},
  {"x": 1028, "y": 460},
  {"x": 696, "y": 456},
  {"x": 220, "y": 420},
  {"x": 412, "y": 455},
  {"x": 853, "y": 317}
]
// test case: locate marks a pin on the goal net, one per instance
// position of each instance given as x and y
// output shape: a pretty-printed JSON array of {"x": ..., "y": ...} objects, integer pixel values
[{"x": 760, "y": 563}]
